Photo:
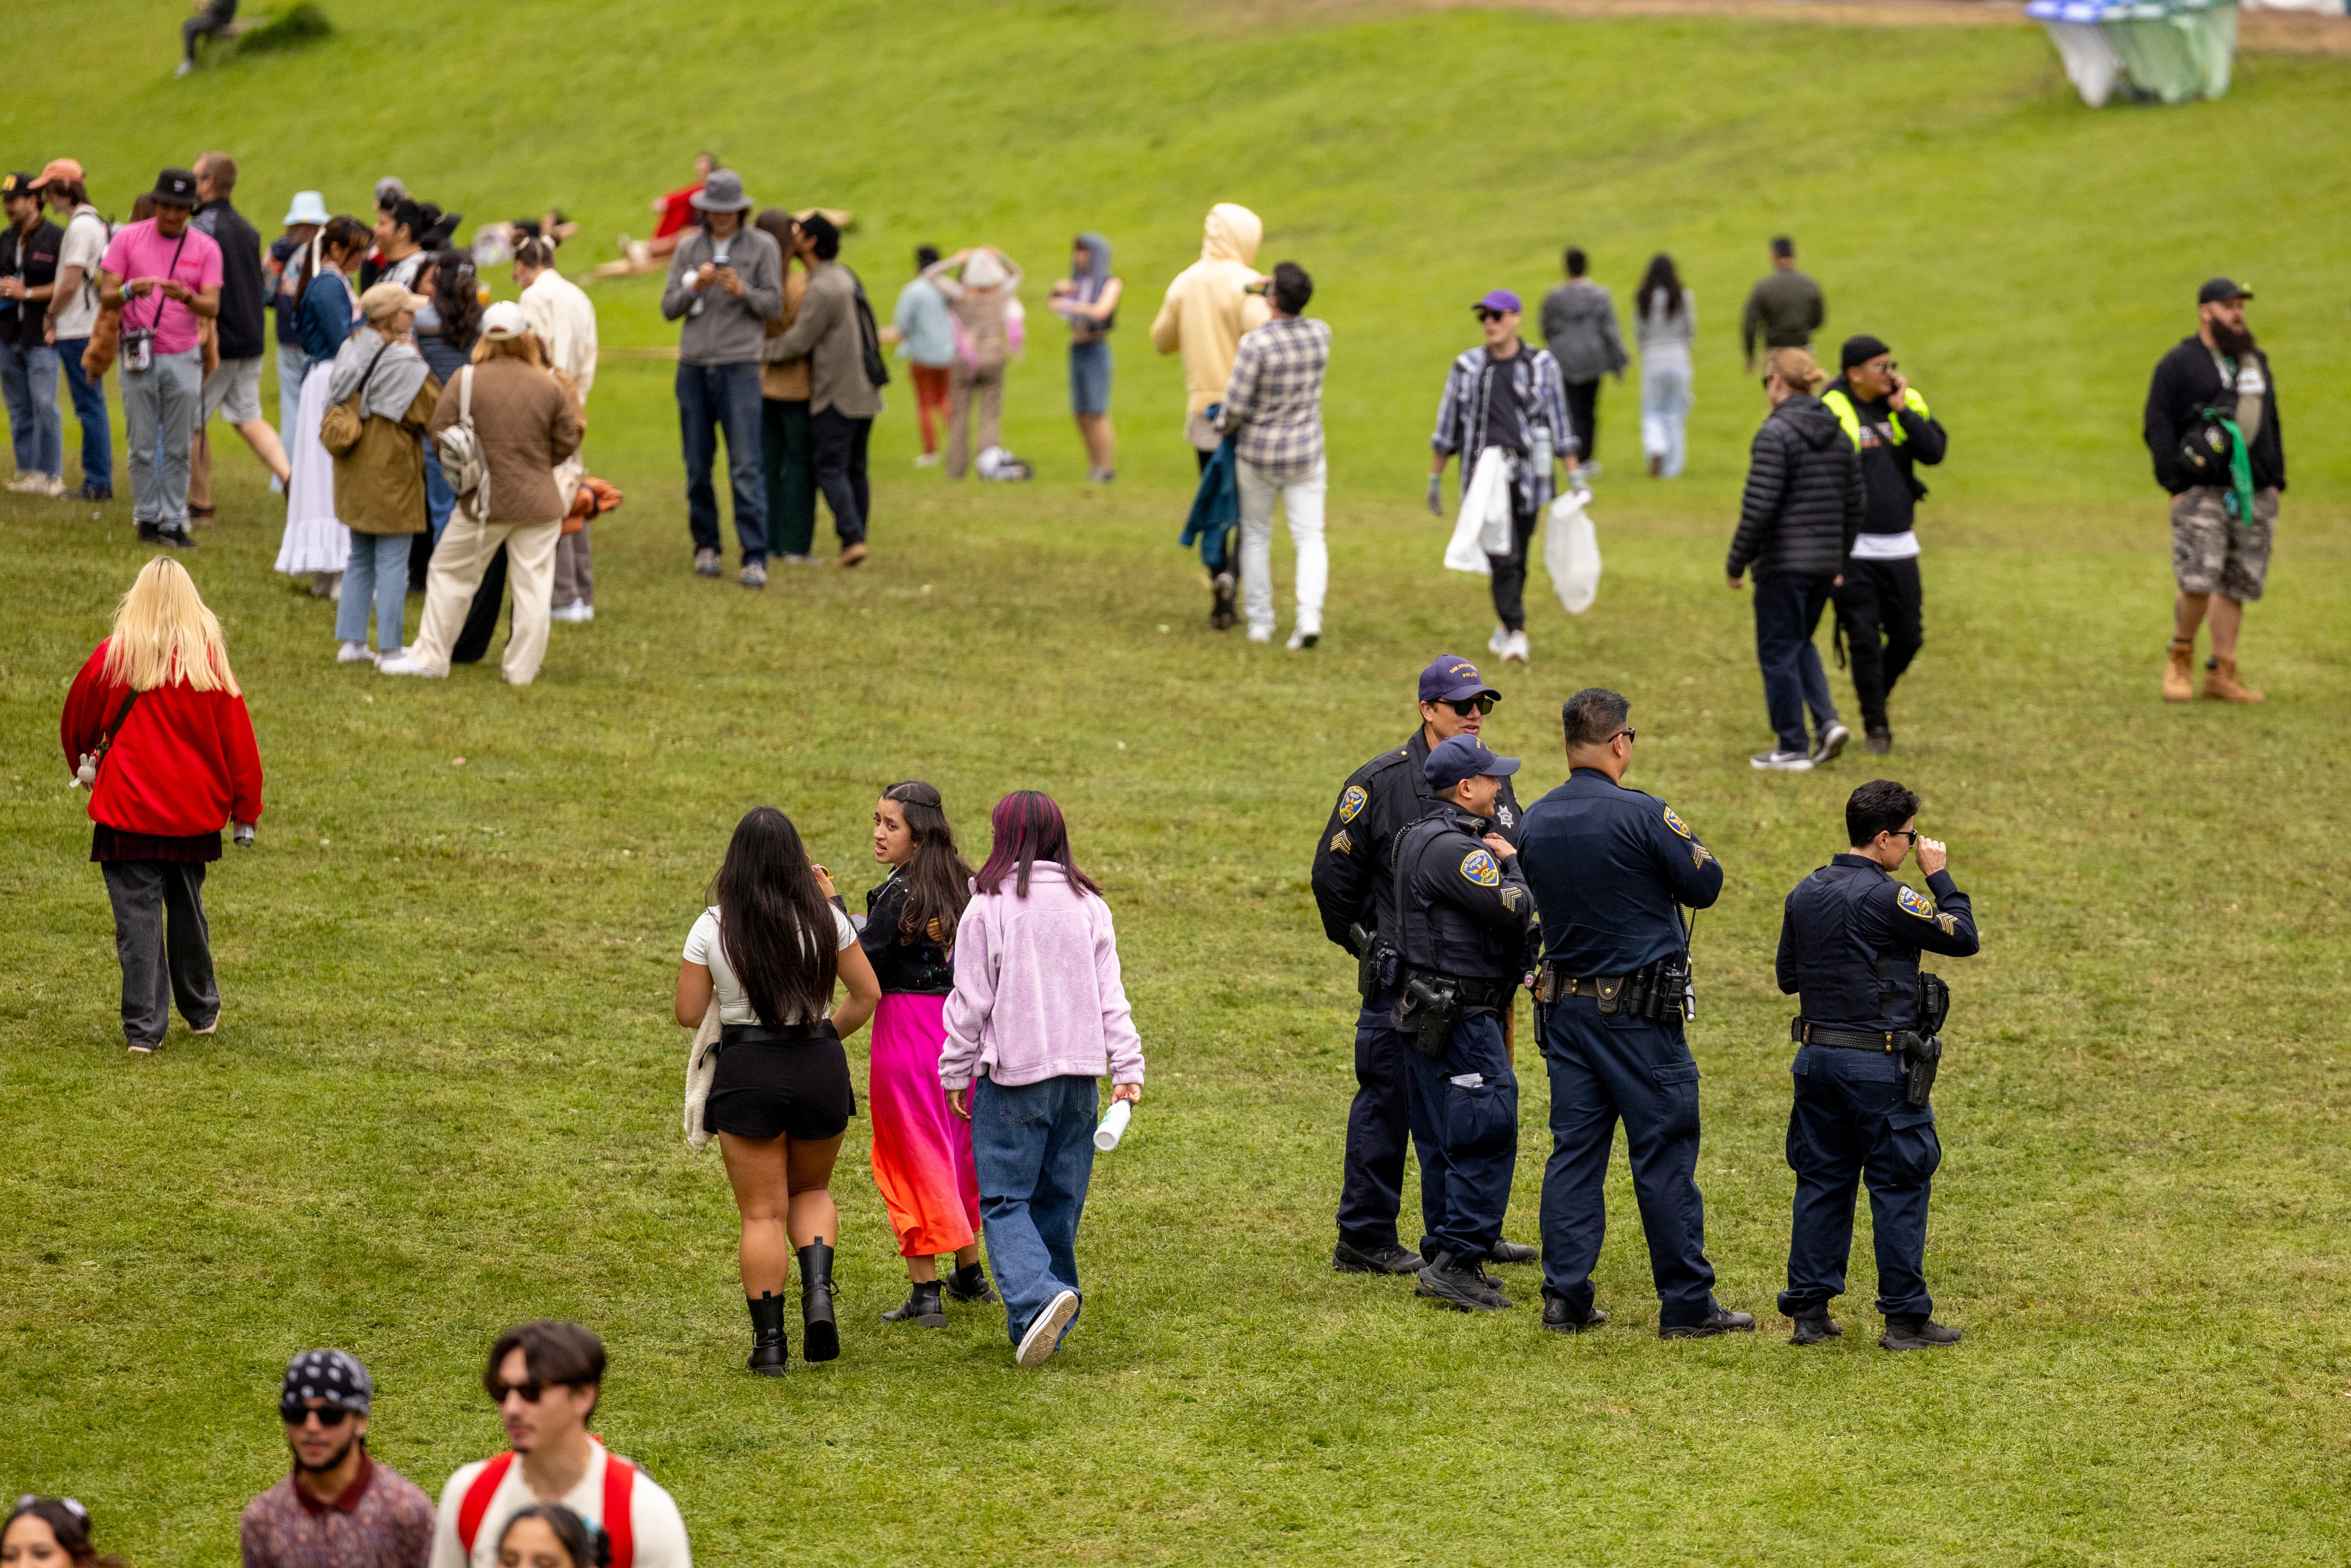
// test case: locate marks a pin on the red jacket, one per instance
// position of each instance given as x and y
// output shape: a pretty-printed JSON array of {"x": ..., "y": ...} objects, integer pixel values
[{"x": 185, "y": 763}]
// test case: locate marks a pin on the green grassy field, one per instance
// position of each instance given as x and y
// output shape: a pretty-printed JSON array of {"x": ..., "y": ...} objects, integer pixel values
[{"x": 445, "y": 1093}]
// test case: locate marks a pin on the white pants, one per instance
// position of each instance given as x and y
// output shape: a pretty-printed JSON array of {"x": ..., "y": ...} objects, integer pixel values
[
  {"x": 1302, "y": 502},
  {"x": 458, "y": 562},
  {"x": 1665, "y": 407}
]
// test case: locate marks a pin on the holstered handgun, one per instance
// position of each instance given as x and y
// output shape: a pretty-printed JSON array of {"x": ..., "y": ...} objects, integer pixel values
[
  {"x": 1375, "y": 965},
  {"x": 1427, "y": 1010},
  {"x": 1921, "y": 1057},
  {"x": 1934, "y": 1003}
]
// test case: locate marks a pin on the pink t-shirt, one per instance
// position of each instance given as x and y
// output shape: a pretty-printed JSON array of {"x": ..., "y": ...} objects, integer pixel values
[{"x": 140, "y": 252}]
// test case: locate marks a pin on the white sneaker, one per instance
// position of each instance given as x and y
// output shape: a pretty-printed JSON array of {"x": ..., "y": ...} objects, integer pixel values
[
  {"x": 1781, "y": 761},
  {"x": 1302, "y": 638},
  {"x": 587, "y": 613},
  {"x": 406, "y": 665},
  {"x": 1498, "y": 641},
  {"x": 353, "y": 653},
  {"x": 926, "y": 459},
  {"x": 573, "y": 613},
  {"x": 1516, "y": 648},
  {"x": 1044, "y": 1335},
  {"x": 1260, "y": 633},
  {"x": 22, "y": 482},
  {"x": 50, "y": 485}
]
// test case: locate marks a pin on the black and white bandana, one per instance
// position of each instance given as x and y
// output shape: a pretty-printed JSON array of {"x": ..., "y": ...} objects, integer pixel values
[{"x": 332, "y": 1375}]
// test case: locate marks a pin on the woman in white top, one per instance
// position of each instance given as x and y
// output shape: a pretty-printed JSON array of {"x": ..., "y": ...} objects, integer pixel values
[{"x": 767, "y": 951}]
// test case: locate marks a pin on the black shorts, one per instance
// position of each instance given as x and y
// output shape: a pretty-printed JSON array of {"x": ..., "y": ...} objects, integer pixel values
[{"x": 789, "y": 1082}]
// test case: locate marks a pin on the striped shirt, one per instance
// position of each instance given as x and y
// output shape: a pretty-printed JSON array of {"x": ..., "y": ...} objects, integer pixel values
[
  {"x": 1274, "y": 397},
  {"x": 1532, "y": 377}
]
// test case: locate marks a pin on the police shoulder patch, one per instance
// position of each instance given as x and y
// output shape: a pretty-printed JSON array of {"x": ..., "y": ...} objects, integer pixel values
[
  {"x": 1352, "y": 804},
  {"x": 1479, "y": 866},
  {"x": 1676, "y": 823},
  {"x": 1343, "y": 843},
  {"x": 1914, "y": 902}
]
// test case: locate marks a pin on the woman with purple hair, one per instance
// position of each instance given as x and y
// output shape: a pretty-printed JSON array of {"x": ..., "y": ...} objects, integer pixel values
[{"x": 1037, "y": 1017}]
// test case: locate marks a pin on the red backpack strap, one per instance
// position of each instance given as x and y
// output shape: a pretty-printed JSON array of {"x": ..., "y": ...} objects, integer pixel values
[
  {"x": 476, "y": 1502},
  {"x": 620, "y": 1483}
]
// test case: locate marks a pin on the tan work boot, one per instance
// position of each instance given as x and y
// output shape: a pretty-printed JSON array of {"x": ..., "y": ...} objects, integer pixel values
[
  {"x": 2178, "y": 674},
  {"x": 2220, "y": 681}
]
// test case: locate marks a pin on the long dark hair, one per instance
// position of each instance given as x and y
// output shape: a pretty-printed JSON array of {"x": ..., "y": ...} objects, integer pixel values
[
  {"x": 1028, "y": 828},
  {"x": 774, "y": 925},
  {"x": 1660, "y": 280},
  {"x": 938, "y": 883},
  {"x": 586, "y": 1544},
  {"x": 456, "y": 299},
  {"x": 69, "y": 1522}
]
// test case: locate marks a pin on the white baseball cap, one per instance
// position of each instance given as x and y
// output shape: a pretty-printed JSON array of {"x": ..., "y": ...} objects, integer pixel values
[{"x": 505, "y": 320}]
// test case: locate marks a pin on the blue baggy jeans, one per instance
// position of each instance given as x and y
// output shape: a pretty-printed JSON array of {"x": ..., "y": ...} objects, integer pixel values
[
  {"x": 28, "y": 378},
  {"x": 89, "y": 407},
  {"x": 711, "y": 399},
  {"x": 1034, "y": 1147}
]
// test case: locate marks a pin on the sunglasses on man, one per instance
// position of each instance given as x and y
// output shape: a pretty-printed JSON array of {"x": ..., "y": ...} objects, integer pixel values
[
  {"x": 1469, "y": 706},
  {"x": 498, "y": 1390},
  {"x": 329, "y": 1416},
  {"x": 1489, "y": 315}
]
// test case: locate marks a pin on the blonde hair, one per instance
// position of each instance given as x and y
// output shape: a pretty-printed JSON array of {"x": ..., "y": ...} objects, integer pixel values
[
  {"x": 1795, "y": 368},
  {"x": 164, "y": 635},
  {"x": 523, "y": 346}
]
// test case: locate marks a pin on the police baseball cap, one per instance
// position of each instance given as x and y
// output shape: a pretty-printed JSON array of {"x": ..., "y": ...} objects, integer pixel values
[
  {"x": 1451, "y": 679},
  {"x": 2220, "y": 290},
  {"x": 1463, "y": 757}
]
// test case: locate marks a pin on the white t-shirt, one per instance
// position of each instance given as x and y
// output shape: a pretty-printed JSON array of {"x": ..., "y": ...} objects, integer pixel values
[
  {"x": 656, "y": 1527},
  {"x": 85, "y": 246},
  {"x": 703, "y": 947}
]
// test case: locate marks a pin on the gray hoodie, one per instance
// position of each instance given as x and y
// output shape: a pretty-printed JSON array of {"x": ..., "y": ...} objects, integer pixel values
[
  {"x": 1579, "y": 328},
  {"x": 724, "y": 330}
]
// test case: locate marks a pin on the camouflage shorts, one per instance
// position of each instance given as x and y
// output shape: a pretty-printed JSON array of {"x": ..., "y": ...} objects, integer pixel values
[{"x": 2211, "y": 553}]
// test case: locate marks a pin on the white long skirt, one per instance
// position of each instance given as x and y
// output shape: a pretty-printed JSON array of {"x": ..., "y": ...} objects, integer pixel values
[{"x": 314, "y": 542}]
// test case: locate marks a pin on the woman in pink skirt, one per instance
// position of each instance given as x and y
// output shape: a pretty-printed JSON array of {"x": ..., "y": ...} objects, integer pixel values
[{"x": 922, "y": 1150}]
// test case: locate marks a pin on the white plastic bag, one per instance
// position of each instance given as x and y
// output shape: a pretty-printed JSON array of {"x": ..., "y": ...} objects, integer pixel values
[
  {"x": 1571, "y": 553},
  {"x": 1483, "y": 528}
]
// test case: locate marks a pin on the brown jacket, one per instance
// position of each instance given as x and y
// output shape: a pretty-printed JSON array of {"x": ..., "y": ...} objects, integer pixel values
[
  {"x": 786, "y": 380},
  {"x": 527, "y": 424},
  {"x": 379, "y": 483}
]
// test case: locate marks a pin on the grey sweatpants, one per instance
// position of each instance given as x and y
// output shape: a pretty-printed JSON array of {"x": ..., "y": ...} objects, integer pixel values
[
  {"x": 159, "y": 405},
  {"x": 165, "y": 947}
]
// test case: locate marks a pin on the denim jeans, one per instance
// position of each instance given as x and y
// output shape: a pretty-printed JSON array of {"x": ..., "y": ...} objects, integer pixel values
[
  {"x": 1034, "y": 1147},
  {"x": 29, "y": 379},
  {"x": 439, "y": 500},
  {"x": 1787, "y": 609},
  {"x": 89, "y": 407},
  {"x": 159, "y": 411},
  {"x": 712, "y": 398},
  {"x": 377, "y": 573}
]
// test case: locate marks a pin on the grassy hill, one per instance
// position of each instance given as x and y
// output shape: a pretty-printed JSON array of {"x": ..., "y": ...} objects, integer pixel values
[{"x": 443, "y": 1097}]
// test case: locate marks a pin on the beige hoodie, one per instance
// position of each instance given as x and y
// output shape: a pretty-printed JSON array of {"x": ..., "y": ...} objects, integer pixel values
[{"x": 1206, "y": 312}]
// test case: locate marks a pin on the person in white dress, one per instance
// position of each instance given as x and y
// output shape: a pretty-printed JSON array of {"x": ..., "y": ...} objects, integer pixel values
[{"x": 316, "y": 544}]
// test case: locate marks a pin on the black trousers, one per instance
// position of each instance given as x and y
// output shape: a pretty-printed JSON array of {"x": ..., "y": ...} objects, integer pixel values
[
  {"x": 164, "y": 945},
  {"x": 1583, "y": 413},
  {"x": 1371, "y": 1189},
  {"x": 789, "y": 464},
  {"x": 1511, "y": 571},
  {"x": 1878, "y": 608},
  {"x": 839, "y": 445}
]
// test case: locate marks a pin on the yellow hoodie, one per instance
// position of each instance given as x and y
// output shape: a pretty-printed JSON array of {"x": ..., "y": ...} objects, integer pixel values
[{"x": 1206, "y": 312}]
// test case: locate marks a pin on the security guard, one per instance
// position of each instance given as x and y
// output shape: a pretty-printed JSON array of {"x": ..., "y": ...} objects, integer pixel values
[
  {"x": 1463, "y": 926},
  {"x": 1610, "y": 868},
  {"x": 1866, "y": 1056},
  {"x": 1351, "y": 888},
  {"x": 1879, "y": 602}
]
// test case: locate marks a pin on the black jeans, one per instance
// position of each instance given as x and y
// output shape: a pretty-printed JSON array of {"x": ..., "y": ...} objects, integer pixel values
[
  {"x": 164, "y": 944},
  {"x": 789, "y": 464},
  {"x": 1878, "y": 608},
  {"x": 211, "y": 20},
  {"x": 839, "y": 442},
  {"x": 1511, "y": 571},
  {"x": 1583, "y": 413}
]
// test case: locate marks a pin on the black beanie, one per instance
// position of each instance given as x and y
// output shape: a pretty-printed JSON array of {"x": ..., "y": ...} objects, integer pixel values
[{"x": 1860, "y": 350}]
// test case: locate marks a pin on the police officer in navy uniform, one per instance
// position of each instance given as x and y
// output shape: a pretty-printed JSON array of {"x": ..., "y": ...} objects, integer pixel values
[
  {"x": 1380, "y": 800},
  {"x": 1849, "y": 946},
  {"x": 1463, "y": 922},
  {"x": 1610, "y": 868}
]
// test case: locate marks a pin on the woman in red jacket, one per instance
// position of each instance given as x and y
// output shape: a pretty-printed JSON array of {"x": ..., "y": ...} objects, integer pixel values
[{"x": 157, "y": 728}]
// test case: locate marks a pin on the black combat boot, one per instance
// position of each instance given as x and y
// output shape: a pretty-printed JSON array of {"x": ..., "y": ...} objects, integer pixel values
[
  {"x": 1916, "y": 1332},
  {"x": 1349, "y": 1259},
  {"x": 1814, "y": 1326},
  {"x": 922, "y": 1308},
  {"x": 819, "y": 1335},
  {"x": 770, "y": 1354},
  {"x": 1460, "y": 1284},
  {"x": 1722, "y": 1319},
  {"x": 1560, "y": 1318},
  {"x": 969, "y": 1283},
  {"x": 1513, "y": 1252}
]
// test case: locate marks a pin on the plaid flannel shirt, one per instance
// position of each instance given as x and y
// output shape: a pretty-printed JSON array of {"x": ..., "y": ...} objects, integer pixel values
[
  {"x": 1274, "y": 397},
  {"x": 1534, "y": 381}
]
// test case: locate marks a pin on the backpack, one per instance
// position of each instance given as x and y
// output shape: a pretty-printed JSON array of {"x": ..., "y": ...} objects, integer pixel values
[
  {"x": 620, "y": 1483},
  {"x": 869, "y": 336},
  {"x": 460, "y": 448}
]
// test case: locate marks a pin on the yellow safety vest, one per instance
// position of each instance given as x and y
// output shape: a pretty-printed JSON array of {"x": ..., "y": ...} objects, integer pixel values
[{"x": 1848, "y": 416}]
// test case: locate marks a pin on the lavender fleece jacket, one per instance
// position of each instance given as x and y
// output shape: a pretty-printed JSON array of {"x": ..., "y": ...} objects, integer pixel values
[{"x": 1037, "y": 989}]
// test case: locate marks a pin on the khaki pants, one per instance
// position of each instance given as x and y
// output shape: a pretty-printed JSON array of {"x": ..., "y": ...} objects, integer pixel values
[
  {"x": 965, "y": 384},
  {"x": 458, "y": 562}
]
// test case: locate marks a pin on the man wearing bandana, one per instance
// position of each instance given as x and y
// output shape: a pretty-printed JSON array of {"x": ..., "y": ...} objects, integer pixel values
[{"x": 339, "y": 1509}]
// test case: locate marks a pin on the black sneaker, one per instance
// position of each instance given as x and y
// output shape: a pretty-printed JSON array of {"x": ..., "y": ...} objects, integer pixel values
[
  {"x": 1221, "y": 614},
  {"x": 1513, "y": 1252},
  {"x": 1879, "y": 743},
  {"x": 1917, "y": 1333},
  {"x": 1830, "y": 742},
  {"x": 1814, "y": 1326},
  {"x": 90, "y": 492},
  {"x": 1722, "y": 1319},
  {"x": 175, "y": 539},
  {"x": 1459, "y": 1285},
  {"x": 1348, "y": 1259},
  {"x": 149, "y": 534},
  {"x": 1560, "y": 1319}
]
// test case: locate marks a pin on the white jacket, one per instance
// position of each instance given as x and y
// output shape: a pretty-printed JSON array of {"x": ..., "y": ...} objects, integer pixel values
[{"x": 565, "y": 322}]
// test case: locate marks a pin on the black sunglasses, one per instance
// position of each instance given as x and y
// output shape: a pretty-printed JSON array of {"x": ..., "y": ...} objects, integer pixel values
[
  {"x": 529, "y": 1391},
  {"x": 329, "y": 1415},
  {"x": 1489, "y": 315},
  {"x": 1469, "y": 706},
  {"x": 1910, "y": 833},
  {"x": 1628, "y": 732}
]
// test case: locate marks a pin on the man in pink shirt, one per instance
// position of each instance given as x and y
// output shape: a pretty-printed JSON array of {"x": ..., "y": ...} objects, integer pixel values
[{"x": 166, "y": 275}]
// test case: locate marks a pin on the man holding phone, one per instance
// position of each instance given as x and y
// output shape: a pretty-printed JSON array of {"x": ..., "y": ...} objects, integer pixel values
[{"x": 165, "y": 274}]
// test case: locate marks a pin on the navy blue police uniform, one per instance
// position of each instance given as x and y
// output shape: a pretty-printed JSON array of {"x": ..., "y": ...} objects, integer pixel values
[
  {"x": 1351, "y": 888},
  {"x": 1849, "y": 946},
  {"x": 1464, "y": 923},
  {"x": 1610, "y": 868}
]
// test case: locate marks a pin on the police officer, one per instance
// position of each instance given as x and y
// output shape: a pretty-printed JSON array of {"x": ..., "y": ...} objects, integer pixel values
[
  {"x": 1610, "y": 868},
  {"x": 1464, "y": 923},
  {"x": 1849, "y": 946},
  {"x": 1351, "y": 888}
]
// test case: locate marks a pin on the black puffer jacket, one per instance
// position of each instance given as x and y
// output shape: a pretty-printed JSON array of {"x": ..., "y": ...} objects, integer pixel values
[{"x": 1805, "y": 498}]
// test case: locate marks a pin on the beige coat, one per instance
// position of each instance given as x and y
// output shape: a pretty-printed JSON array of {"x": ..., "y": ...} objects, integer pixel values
[
  {"x": 527, "y": 424},
  {"x": 379, "y": 483},
  {"x": 786, "y": 380},
  {"x": 1206, "y": 312}
]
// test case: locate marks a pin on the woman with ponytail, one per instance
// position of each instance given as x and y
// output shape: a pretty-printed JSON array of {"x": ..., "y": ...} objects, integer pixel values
[
  {"x": 316, "y": 544},
  {"x": 922, "y": 1150},
  {"x": 767, "y": 951}
]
